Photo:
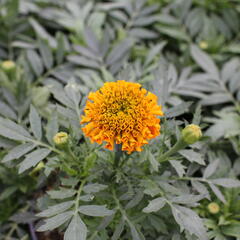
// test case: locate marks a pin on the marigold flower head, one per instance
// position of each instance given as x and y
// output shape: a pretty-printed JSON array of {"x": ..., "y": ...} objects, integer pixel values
[{"x": 123, "y": 113}]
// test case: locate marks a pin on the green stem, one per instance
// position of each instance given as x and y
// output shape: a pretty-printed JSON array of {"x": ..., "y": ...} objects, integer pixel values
[
  {"x": 78, "y": 196},
  {"x": 9, "y": 235},
  {"x": 45, "y": 145},
  {"x": 180, "y": 144},
  {"x": 93, "y": 235},
  {"x": 120, "y": 208},
  {"x": 118, "y": 154}
]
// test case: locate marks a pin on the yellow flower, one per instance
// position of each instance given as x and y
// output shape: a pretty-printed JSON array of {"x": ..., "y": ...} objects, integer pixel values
[
  {"x": 123, "y": 113},
  {"x": 8, "y": 65},
  {"x": 60, "y": 138},
  {"x": 213, "y": 208},
  {"x": 191, "y": 133}
]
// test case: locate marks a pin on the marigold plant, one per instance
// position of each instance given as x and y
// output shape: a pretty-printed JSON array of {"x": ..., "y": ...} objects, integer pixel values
[{"x": 123, "y": 113}]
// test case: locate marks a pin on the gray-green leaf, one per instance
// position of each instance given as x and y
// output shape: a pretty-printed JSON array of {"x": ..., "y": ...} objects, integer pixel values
[
  {"x": 55, "y": 221},
  {"x": 76, "y": 230},
  {"x": 155, "y": 205},
  {"x": 56, "y": 209},
  {"x": 33, "y": 158},
  {"x": 18, "y": 151},
  {"x": 62, "y": 193},
  {"x": 226, "y": 182},
  {"x": 95, "y": 210},
  {"x": 10, "y": 129},
  {"x": 35, "y": 122}
]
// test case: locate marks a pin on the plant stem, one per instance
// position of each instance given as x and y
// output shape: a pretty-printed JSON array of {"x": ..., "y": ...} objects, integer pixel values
[
  {"x": 93, "y": 235},
  {"x": 118, "y": 154},
  {"x": 32, "y": 231},
  {"x": 120, "y": 208},
  {"x": 13, "y": 228},
  {"x": 180, "y": 144},
  {"x": 78, "y": 196}
]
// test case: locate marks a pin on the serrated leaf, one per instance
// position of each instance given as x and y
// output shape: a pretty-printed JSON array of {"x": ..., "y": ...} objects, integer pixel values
[
  {"x": 10, "y": 129},
  {"x": 135, "y": 234},
  {"x": 154, "y": 163},
  {"x": 217, "y": 192},
  {"x": 226, "y": 182},
  {"x": 197, "y": 115},
  {"x": 35, "y": 62},
  {"x": 178, "y": 110},
  {"x": 62, "y": 193},
  {"x": 216, "y": 98},
  {"x": 94, "y": 188},
  {"x": 232, "y": 229},
  {"x": 52, "y": 127},
  {"x": 35, "y": 123},
  {"x": 6, "y": 193},
  {"x": 143, "y": 33},
  {"x": 91, "y": 40},
  {"x": 200, "y": 188},
  {"x": 46, "y": 54},
  {"x": 83, "y": 61},
  {"x": 7, "y": 112},
  {"x": 33, "y": 158},
  {"x": 95, "y": 210},
  {"x": 180, "y": 169},
  {"x": 136, "y": 200},
  {"x": 118, "y": 230},
  {"x": 187, "y": 199},
  {"x": 60, "y": 48},
  {"x": 73, "y": 92},
  {"x": 193, "y": 156},
  {"x": 204, "y": 61},
  {"x": 76, "y": 230},
  {"x": 56, "y": 221},
  {"x": 56, "y": 209},
  {"x": 153, "y": 52},
  {"x": 155, "y": 205},
  {"x": 18, "y": 151},
  {"x": 119, "y": 51},
  {"x": 174, "y": 32},
  {"x": 190, "y": 221},
  {"x": 210, "y": 169}
]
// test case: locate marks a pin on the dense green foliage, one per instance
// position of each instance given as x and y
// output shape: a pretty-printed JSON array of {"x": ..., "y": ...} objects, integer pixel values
[{"x": 185, "y": 52}]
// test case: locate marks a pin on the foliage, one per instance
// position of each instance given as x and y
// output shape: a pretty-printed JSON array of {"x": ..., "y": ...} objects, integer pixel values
[{"x": 185, "y": 52}]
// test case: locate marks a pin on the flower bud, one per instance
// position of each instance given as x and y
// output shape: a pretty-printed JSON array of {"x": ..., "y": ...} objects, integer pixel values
[
  {"x": 37, "y": 169},
  {"x": 8, "y": 65},
  {"x": 191, "y": 133},
  {"x": 213, "y": 208},
  {"x": 60, "y": 138},
  {"x": 203, "y": 45}
]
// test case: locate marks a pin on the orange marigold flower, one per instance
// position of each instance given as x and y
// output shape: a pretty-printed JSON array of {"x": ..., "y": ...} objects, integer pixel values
[{"x": 123, "y": 113}]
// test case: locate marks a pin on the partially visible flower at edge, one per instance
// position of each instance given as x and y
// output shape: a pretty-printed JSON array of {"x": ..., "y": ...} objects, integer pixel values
[
  {"x": 60, "y": 138},
  {"x": 123, "y": 113}
]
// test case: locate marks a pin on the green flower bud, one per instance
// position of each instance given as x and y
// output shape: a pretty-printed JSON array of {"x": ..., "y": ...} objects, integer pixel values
[
  {"x": 37, "y": 169},
  {"x": 8, "y": 65},
  {"x": 60, "y": 138},
  {"x": 203, "y": 45},
  {"x": 191, "y": 133},
  {"x": 213, "y": 208}
]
